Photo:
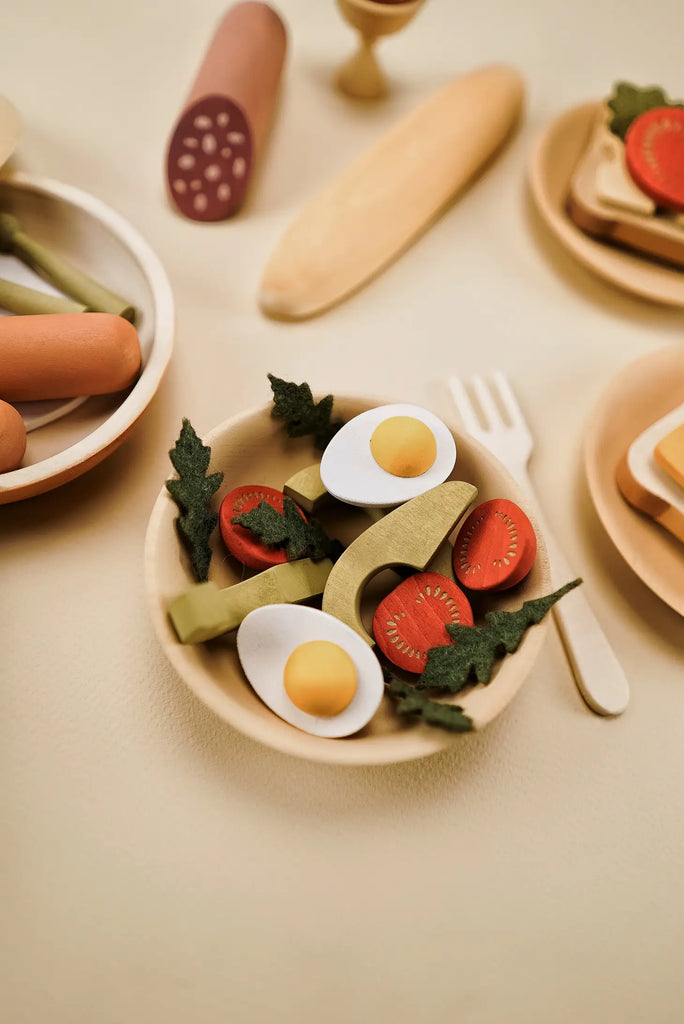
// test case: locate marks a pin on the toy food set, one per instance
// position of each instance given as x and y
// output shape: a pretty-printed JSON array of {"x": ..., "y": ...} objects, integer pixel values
[
  {"x": 628, "y": 187},
  {"x": 219, "y": 137},
  {"x": 651, "y": 474},
  {"x": 304, "y": 638},
  {"x": 380, "y": 204}
]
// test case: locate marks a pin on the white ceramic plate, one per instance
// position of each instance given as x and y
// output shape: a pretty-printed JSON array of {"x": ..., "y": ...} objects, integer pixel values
[
  {"x": 89, "y": 233},
  {"x": 640, "y": 394},
  {"x": 553, "y": 161},
  {"x": 253, "y": 448}
]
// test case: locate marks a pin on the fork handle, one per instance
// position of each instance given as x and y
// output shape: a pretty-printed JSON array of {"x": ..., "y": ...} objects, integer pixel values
[{"x": 598, "y": 674}]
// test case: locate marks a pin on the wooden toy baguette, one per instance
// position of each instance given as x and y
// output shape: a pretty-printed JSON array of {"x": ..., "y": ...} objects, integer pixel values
[
  {"x": 384, "y": 200},
  {"x": 63, "y": 355},
  {"x": 220, "y": 134}
]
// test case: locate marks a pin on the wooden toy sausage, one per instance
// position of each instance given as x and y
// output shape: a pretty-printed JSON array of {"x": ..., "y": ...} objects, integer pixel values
[
  {"x": 219, "y": 136},
  {"x": 12, "y": 438},
  {"x": 63, "y": 355}
]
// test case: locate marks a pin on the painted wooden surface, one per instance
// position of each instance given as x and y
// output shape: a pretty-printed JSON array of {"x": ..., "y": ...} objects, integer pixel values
[{"x": 373, "y": 211}]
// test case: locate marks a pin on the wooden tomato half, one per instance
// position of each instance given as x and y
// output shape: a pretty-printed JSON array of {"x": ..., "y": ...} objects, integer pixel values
[
  {"x": 654, "y": 151},
  {"x": 241, "y": 542},
  {"x": 414, "y": 616},
  {"x": 496, "y": 546}
]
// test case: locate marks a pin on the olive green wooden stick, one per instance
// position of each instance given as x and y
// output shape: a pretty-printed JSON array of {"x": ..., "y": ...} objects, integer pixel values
[
  {"x": 19, "y": 299},
  {"x": 59, "y": 271}
]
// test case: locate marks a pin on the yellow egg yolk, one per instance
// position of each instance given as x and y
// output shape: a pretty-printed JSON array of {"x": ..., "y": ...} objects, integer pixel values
[
  {"x": 320, "y": 678},
  {"x": 403, "y": 446}
]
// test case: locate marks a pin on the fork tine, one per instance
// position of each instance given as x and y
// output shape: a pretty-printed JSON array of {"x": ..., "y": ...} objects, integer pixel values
[
  {"x": 508, "y": 399},
  {"x": 464, "y": 405},
  {"x": 487, "y": 403}
]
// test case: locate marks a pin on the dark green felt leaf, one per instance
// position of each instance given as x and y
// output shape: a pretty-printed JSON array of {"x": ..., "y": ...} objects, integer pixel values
[
  {"x": 289, "y": 529},
  {"x": 629, "y": 101},
  {"x": 294, "y": 403},
  {"x": 192, "y": 492},
  {"x": 476, "y": 648},
  {"x": 444, "y": 716}
]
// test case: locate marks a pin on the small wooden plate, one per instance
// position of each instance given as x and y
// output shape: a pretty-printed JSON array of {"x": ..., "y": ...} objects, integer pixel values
[
  {"x": 553, "y": 162},
  {"x": 643, "y": 392},
  {"x": 253, "y": 448},
  {"x": 94, "y": 237}
]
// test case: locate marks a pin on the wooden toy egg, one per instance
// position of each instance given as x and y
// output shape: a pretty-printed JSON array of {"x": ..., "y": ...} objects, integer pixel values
[
  {"x": 414, "y": 616},
  {"x": 495, "y": 547}
]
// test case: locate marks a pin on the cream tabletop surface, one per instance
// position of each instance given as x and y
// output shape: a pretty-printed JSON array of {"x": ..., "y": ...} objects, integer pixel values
[{"x": 156, "y": 865}]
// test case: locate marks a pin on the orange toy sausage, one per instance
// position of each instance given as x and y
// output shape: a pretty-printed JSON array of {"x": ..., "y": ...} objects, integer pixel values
[
  {"x": 220, "y": 134},
  {"x": 63, "y": 355},
  {"x": 12, "y": 438}
]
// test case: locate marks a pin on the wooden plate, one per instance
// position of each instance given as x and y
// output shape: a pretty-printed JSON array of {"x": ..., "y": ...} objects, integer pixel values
[
  {"x": 253, "y": 448},
  {"x": 100, "y": 241},
  {"x": 553, "y": 162},
  {"x": 642, "y": 393}
]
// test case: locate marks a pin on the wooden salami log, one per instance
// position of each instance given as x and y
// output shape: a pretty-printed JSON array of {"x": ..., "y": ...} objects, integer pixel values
[
  {"x": 64, "y": 355},
  {"x": 219, "y": 136}
]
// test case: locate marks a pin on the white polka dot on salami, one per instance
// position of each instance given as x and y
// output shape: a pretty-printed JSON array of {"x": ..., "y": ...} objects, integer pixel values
[
  {"x": 196, "y": 185},
  {"x": 190, "y": 142},
  {"x": 239, "y": 167},
  {"x": 223, "y": 192},
  {"x": 179, "y": 186},
  {"x": 213, "y": 172},
  {"x": 209, "y": 144},
  {"x": 237, "y": 138},
  {"x": 226, "y": 153},
  {"x": 186, "y": 162},
  {"x": 202, "y": 122},
  {"x": 200, "y": 202},
  {"x": 222, "y": 119}
]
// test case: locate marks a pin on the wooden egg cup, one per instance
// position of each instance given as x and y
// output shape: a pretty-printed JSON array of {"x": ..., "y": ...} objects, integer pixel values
[{"x": 361, "y": 76}]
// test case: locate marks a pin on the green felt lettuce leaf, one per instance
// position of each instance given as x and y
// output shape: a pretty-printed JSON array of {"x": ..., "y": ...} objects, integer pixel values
[
  {"x": 629, "y": 101},
  {"x": 290, "y": 530},
  {"x": 192, "y": 492},
  {"x": 476, "y": 648},
  {"x": 294, "y": 403},
  {"x": 444, "y": 716}
]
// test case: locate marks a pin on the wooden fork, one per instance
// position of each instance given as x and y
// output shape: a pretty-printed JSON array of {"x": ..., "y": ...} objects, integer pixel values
[{"x": 598, "y": 674}]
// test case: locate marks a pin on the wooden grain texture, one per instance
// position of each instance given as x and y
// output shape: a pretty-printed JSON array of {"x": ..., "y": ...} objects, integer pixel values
[
  {"x": 410, "y": 535},
  {"x": 204, "y": 611},
  {"x": 386, "y": 198}
]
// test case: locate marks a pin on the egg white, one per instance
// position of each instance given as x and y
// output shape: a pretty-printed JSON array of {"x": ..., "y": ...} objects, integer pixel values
[
  {"x": 266, "y": 639},
  {"x": 351, "y": 474}
]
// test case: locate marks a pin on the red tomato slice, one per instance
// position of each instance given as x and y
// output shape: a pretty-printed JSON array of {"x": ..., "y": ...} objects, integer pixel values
[
  {"x": 413, "y": 617},
  {"x": 495, "y": 547},
  {"x": 241, "y": 542},
  {"x": 654, "y": 151}
]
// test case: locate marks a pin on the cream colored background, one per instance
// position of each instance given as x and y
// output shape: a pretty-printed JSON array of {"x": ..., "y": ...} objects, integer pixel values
[{"x": 155, "y": 865}]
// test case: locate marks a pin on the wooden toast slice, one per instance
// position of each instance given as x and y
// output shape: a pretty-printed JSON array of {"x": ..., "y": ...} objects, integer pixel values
[
  {"x": 645, "y": 484},
  {"x": 604, "y": 201},
  {"x": 387, "y": 197}
]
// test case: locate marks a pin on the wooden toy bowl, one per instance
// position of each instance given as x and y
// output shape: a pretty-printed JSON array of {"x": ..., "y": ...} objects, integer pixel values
[
  {"x": 253, "y": 448},
  {"x": 361, "y": 76},
  {"x": 84, "y": 230}
]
